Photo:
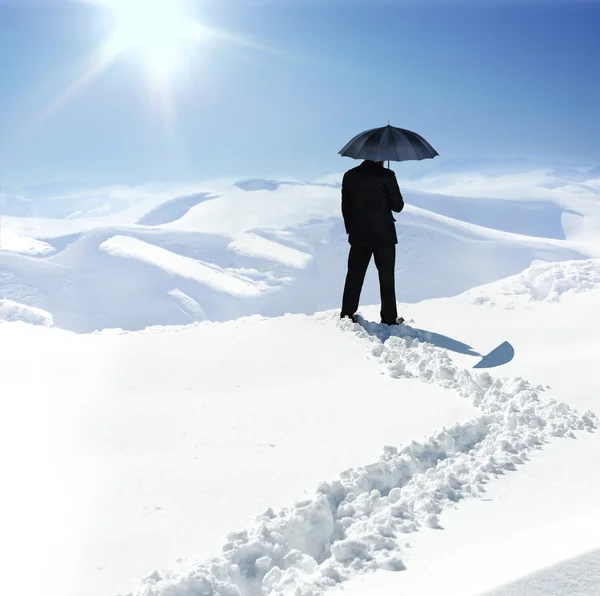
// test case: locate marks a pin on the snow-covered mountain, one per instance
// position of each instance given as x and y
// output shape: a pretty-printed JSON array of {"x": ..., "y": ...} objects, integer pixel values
[
  {"x": 209, "y": 445},
  {"x": 222, "y": 249}
]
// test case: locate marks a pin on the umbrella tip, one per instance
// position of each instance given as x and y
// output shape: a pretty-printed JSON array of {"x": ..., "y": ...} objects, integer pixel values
[{"x": 388, "y": 121}]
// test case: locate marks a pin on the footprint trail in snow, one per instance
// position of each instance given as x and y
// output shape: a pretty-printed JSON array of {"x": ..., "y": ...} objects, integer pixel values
[{"x": 359, "y": 522}]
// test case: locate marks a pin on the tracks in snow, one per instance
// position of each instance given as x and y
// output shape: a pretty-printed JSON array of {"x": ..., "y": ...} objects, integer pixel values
[{"x": 356, "y": 523}]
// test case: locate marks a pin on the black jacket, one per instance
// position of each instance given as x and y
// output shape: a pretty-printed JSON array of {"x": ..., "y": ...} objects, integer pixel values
[{"x": 369, "y": 195}]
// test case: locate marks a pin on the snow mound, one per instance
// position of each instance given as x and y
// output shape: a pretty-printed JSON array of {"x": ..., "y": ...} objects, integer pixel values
[
  {"x": 188, "y": 305},
  {"x": 173, "y": 209},
  {"x": 13, "y": 311},
  {"x": 542, "y": 282},
  {"x": 205, "y": 273},
  {"x": 538, "y": 218},
  {"x": 255, "y": 245},
  {"x": 14, "y": 241},
  {"x": 355, "y": 524}
]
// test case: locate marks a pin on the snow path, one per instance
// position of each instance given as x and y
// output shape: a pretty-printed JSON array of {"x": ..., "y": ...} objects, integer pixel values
[
  {"x": 151, "y": 446},
  {"x": 355, "y": 524}
]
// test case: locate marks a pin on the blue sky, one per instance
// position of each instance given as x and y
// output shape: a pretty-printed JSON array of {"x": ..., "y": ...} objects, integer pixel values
[{"x": 492, "y": 78}]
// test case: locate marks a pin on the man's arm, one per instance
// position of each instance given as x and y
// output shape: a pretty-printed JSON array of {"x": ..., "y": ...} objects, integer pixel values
[
  {"x": 345, "y": 205},
  {"x": 395, "y": 196}
]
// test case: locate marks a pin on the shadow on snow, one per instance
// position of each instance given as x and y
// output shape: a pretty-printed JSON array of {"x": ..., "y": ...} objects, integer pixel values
[{"x": 502, "y": 354}]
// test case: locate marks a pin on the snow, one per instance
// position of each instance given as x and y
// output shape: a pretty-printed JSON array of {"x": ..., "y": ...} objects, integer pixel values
[
  {"x": 17, "y": 242},
  {"x": 153, "y": 445},
  {"x": 546, "y": 514},
  {"x": 253, "y": 245},
  {"x": 538, "y": 218},
  {"x": 281, "y": 248},
  {"x": 542, "y": 517},
  {"x": 204, "y": 442},
  {"x": 174, "y": 209},
  {"x": 357, "y": 523},
  {"x": 13, "y": 311},
  {"x": 189, "y": 305},
  {"x": 579, "y": 576},
  {"x": 176, "y": 265},
  {"x": 541, "y": 282}
]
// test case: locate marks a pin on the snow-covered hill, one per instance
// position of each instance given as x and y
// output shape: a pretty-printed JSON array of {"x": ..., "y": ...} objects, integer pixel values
[
  {"x": 228, "y": 249},
  {"x": 206, "y": 458},
  {"x": 201, "y": 444}
]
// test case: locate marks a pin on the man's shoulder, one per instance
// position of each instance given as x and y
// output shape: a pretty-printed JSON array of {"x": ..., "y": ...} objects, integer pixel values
[
  {"x": 353, "y": 171},
  {"x": 351, "y": 174}
]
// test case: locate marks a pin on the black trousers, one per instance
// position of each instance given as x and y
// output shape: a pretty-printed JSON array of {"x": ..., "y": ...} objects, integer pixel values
[{"x": 358, "y": 261}]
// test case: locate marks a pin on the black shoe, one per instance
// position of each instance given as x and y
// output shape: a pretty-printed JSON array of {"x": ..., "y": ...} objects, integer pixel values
[
  {"x": 398, "y": 321},
  {"x": 354, "y": 318}
]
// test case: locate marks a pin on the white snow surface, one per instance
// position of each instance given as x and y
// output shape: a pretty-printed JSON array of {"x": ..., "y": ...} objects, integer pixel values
[
  {"x": 18, "y": 242},
  {"x": 529, "y": 524},
  {"x": 579, "y": 576},
  {"x": 13, "y": 311},
  {"x": 186, "y": 434},
  {"x": 154, "y": 445},
  {"x": 540, "y": 282},
  {"x": 176, "y": 265},
  {"x": 269, "y": 247},
  {"x": 358, "y": 522},
  {"x": 184, "y": 451}
]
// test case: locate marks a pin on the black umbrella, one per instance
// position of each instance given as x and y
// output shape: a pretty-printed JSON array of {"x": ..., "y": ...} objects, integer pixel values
[{"x": 388, "y": 143}]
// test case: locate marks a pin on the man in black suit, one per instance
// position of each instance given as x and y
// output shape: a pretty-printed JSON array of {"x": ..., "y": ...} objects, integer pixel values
[{"x": 370, "y": 193}]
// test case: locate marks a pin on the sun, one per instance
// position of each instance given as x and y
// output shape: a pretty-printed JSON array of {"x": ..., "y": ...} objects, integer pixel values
[
  {"x": 161, "y": 35},
  {"x": 156, "y": 31}
]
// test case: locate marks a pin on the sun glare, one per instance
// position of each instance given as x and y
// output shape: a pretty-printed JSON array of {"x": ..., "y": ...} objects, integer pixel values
[
  {"x": 156, "y": 31},
  {"x": 159, "y": 34}
]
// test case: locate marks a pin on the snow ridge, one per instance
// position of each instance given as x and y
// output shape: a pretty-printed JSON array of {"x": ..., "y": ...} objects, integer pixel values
[
  {"x": 542, "y": 282},
  {"x": 356, "y": 523},
  {"x": 14, "y": 311}
]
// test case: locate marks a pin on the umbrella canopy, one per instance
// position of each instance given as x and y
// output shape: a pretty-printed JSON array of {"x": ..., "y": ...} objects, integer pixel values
[{"x": 388, "y": 143}]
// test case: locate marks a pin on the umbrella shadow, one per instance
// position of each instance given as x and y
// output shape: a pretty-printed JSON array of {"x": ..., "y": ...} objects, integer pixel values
[{"x": 500, "y": 355}]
